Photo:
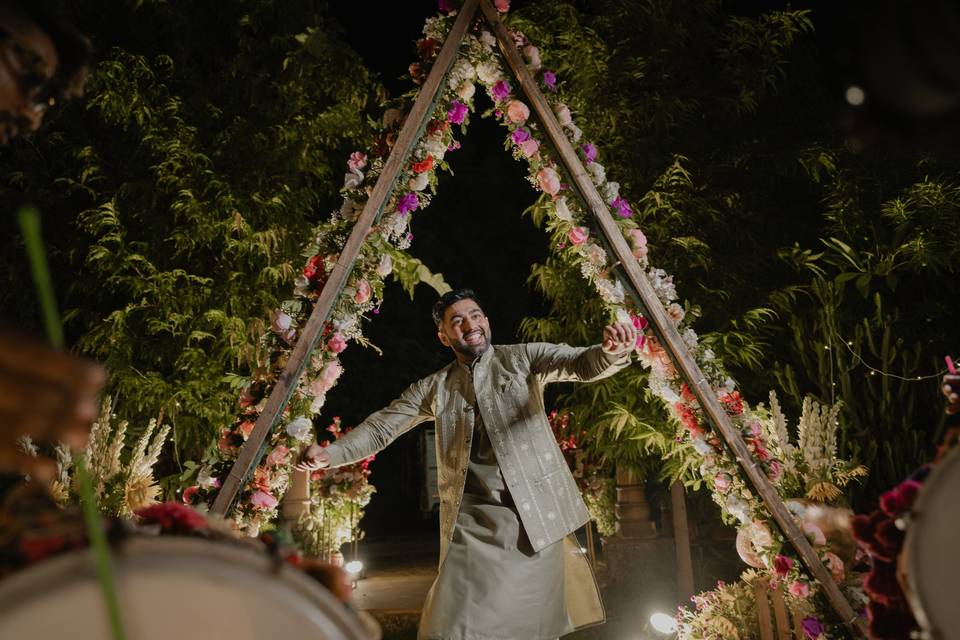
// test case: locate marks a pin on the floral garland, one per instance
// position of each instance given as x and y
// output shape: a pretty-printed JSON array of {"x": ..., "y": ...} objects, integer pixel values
[{"x": 568, "y": 222}]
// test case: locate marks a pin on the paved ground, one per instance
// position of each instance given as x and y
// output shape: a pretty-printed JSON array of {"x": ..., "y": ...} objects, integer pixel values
[{"x": 398, "y": 574}]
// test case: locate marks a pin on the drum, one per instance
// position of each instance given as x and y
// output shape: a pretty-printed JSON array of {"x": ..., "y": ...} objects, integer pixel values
[
  {"x": 932, "y": 548},
  {"x": 175, "y": 588}
]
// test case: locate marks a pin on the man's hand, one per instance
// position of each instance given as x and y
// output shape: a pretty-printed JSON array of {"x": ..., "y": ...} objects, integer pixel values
[
  {"x": 951, "y": 390},
  {"x": 314, "y": 458},
  {"x": 619, "y": 338}
]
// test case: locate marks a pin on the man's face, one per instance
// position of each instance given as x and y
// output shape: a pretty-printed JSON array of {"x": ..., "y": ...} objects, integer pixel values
[
  {"x": 465, "y": 329},
  {"x": 28, "y": 59}
]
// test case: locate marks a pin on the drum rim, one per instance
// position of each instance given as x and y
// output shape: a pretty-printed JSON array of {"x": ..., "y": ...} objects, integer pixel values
[
  {"x": 911, "y": 540},
  {"x": 19, "y": 587}
]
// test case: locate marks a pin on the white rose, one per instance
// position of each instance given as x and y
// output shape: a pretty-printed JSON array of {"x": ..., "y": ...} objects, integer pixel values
[
  {"x": 597, "y": 173},
  {"x": 205, "y": 478},
  {"x": 419, "y": 182},
  {"x": 575, "y": 133},
  {"x": 701, "y": 445},
  {"x": 533, "y": 56},
  {"x": 488, "y": 72},
  {"x": 463, "y": 71},
  {"x": 562, "y": 210},
  {"x": 487, "y": 38},
  {"x": 435, "y": 146},
  {"x": 466, "y": 90},
  {"x": 300, "y": 428},
  {"x": 611, "y": 191},
  {"x": 352, "y": 180}
]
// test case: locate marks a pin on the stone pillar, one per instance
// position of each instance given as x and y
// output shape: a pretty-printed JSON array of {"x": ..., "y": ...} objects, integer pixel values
[
  {"x": 296, "y": 501},
  {"x": 633, "y": 510}
]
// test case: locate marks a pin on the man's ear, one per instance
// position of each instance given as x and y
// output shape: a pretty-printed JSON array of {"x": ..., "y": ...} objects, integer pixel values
[{"x": 444, "y": 340}]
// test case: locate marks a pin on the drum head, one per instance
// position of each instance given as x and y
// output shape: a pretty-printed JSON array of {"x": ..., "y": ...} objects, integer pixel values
[
  {"x": 174, "y": 588},
  {"x": 933, "y": 551}
]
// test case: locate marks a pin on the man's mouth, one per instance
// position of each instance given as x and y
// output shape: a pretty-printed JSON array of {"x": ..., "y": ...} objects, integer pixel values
[{"x": 474, "y": 337}]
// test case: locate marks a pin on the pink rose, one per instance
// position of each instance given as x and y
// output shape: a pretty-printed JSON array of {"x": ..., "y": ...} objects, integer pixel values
[
  {"x": 814, "y": 534},
  {"x": 562, "y": 112},
  {"x": 263, "y": 500},
  {"x": 533, "y": 56},
  {"x": 578, "y": 235},
  {"x": 327, "y": 378},
  {"x": 517, "y": 111},
  {"x": 337, "y": 343},
  {"x": 246, "y": 428},
  {"x": 782, "y": 565},
  {"x": 799, "y": 589},
  {"x": 190, "y": 493},
  {"x": 835, "y": 565},
  {"x": 363, "y": 291},
  {"x": 529, "y": 148},
  {"x": 638, "y": 242},
  {"x": 775, "y": 471},
  {"x": 502, "y": 5},
  {"x": 357, "y": 161},
  {"x": 278, "y": 456},
  {"x": 549, "y": 181},
  {"x": 722, "y": 482}
]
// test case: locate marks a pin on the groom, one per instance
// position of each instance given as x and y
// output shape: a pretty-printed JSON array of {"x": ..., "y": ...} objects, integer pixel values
[{"x": 509, "y": 566}]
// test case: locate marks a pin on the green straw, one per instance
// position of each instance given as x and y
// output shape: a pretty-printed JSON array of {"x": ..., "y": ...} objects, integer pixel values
[{"x": 30, "y": 227}]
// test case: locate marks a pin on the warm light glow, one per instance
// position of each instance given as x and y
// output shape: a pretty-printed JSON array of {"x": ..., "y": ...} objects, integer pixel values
[
  {"x": 353, "y": 567},
  {"x": 855, "y": 96},
  {"x": 663, "y": 623}
]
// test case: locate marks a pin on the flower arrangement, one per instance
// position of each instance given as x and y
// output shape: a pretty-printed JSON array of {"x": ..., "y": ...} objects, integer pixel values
[
  {"x": 480, "y": 65},
  {"x": 120, "y": 488},
  {"x": 337, "y": 499},
  {"x": 596, "y": 485}
]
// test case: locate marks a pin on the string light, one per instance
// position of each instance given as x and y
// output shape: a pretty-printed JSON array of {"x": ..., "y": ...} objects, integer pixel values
[{"x": 874, "y": 371}]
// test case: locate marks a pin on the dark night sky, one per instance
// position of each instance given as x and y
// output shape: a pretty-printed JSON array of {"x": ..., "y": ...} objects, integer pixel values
[{"x": 473, "y": 233}]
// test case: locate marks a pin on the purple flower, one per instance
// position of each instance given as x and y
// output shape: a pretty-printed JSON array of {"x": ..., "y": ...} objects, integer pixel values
[
  {"x": 621, "y": 207},
  {"x": 812, "y": 628},
  {"x": 500, "y": 91},
  {"x": 550, "y": 79},
  {"x": 409, "y": 202},
  {"x": 446, "y": 6},
  {"x": 457, "y": 112},
  {"x": 589, "y": 152},
  {"x": 454, "y": 146},
  {"x": 519, "y": 136}
]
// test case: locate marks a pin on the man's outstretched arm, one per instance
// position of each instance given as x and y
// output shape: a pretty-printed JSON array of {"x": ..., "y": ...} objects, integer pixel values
[
  {"x": 415, "y": 405},
  {"x": 563, "y": 363}
]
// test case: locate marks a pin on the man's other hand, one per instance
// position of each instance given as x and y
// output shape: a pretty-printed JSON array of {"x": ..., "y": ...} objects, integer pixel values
[
  {"x": 619, "y": 338},
  {"x": 314, "y": 458}
]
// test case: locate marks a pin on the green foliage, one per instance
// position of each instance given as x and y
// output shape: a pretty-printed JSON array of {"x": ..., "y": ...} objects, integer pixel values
[
  {"x": 177, "y": 193},
  {"x": 781, "y": 240}
]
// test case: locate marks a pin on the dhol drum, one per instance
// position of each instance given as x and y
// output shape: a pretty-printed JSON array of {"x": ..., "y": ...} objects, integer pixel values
[
  {"x": 175, "y": 588},
  {"x": 932, "y": 548}
]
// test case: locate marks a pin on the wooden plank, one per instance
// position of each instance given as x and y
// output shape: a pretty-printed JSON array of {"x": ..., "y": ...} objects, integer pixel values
[
  {"x": 254, "y": 448},
  {"x": 764, "y": 622},
  {"x": 681, "y": 541},
  {"x": 780, "y": 614},
  {"x": 656, "y": 314}
]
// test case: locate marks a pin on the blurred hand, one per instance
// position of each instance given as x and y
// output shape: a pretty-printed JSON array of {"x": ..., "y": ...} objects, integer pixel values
[
  {"x": 315, "y": 457},
  {"x": 48, "y": 395},
  {"x": 619, "y": 338}
]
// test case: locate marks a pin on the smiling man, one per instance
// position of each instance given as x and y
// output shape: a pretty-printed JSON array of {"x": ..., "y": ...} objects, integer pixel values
[{"x": 509, "y": 565}]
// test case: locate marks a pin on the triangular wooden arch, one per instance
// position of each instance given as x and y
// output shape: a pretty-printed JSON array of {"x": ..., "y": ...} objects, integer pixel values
[{"x": 630, "y": 273}]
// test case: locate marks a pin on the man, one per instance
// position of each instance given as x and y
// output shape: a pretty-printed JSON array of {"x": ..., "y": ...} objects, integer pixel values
[{"x": 508, "y": 502}]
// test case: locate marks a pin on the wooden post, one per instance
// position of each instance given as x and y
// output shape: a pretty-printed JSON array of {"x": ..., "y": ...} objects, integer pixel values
[
  {"x": 780, "y": 615},
  {"x": 296, "y": 501},
  {"x": 254, "y": 448},
  {"x": 633, "y": 510},
  {"x": 646, "y": 297},
  {"x": 760, "y": 590},
  {"x": 681, "y": 539}
]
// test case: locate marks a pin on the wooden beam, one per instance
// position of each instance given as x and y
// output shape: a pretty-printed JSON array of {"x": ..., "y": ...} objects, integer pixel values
[
  {"x": 254, "y": 448},
  {"x": 656, "y": 314},
  {"x": 681, "y": 540}
]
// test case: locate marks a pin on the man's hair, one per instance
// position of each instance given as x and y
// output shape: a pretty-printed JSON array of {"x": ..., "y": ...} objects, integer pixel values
[{"x": 449, "y": 298}]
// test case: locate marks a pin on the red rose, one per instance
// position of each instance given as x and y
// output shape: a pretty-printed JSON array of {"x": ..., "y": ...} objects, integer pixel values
[
  {"x": 173, "y": 517},
  {"x": 427, "y": 48},
  {"x": 424, "y": 165},
  {"x": 313, "y": 268}
]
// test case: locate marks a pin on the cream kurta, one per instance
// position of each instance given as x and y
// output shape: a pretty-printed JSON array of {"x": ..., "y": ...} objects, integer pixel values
[{"x": 506, "y": 388}]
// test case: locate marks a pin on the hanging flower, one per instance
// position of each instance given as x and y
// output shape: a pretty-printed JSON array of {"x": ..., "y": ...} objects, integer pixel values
[
  {"x": 500, "y": 91},
  {"x": 550, "y": 79},
  {"x": 488, "y": 72},
  {"x": 407, "y": 203},
  {"x": 502, "y": 5},
  {"x": 562, "y": 112},
  {"x": 364, "y": 292},
  {"x": 278, "y": 456},
  {"x": 549, "y": 180},
  {"x": 262, "y": 500},
  {"x": 638, "y": 242},
  {"x": 621, "y": 207},
  {"x": 589, "y": 151},
  {"x": 314, "y": 271},
  {"x": 357, "y": 161},
  {"x": 457, "y": 112},
  {"x": 562, "y": 210},
  {"x": 337, "y": 343},
  {"x": 300, "y": 428},
  {"x": 578, "y": 235},
  {"x": 782, "y": 565},
  {"x": 533, "y": 56},
  {"x": 517, "y": 111},
  {"x": 722, "y": 482},
  {"x": 385, "y": 267},
  {"x": 520, "y": 135},
  {"x": 835, "y": 565},
  {"x": 529, "y": 148},
  {"x": 190, "y": 495},
  {"x": 799, "y": 589},
  {"x": 466, "y": 90},
  {"x": 445, "y": 6},
  {"x": 812, "y": 628},
  {"x": 419, "y": 182},
  {"x": 424, "y": 165}
]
